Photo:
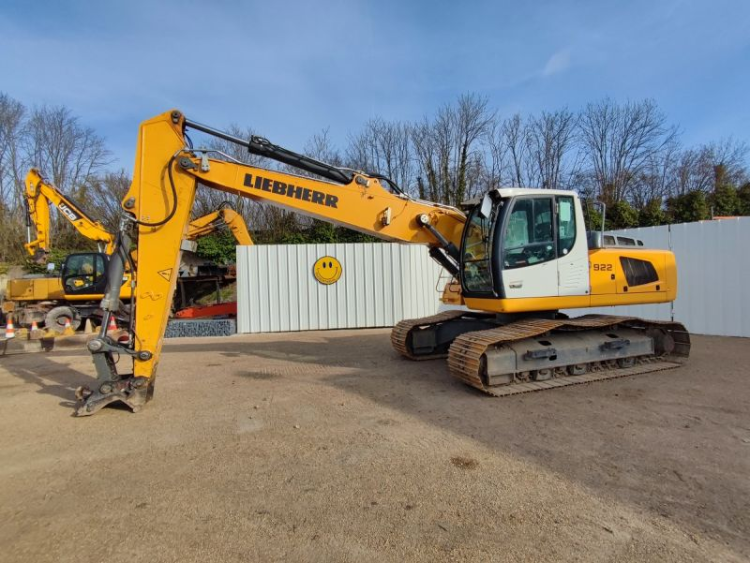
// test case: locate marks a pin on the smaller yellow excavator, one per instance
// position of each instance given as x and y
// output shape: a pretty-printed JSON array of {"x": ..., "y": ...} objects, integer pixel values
[{"x": 74, "y": 295}]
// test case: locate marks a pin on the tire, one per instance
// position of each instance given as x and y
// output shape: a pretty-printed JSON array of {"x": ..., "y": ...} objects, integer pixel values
[{"x": 55, "y": 319}]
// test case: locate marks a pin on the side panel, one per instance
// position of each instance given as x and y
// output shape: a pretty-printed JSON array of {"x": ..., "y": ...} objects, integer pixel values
[
  {"x": 608, "y": 276},
  {"x": 35, "y": 289},
  {"x": 539, "y": 280}
]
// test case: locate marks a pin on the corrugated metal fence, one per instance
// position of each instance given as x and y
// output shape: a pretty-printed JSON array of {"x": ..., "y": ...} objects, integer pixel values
[
  {"x": 713, "y": 269},
  {"x": 381, "y": 283}
]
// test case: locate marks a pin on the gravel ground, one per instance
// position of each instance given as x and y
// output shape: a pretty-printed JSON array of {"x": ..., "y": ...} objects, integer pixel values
[{"x": 326, "y": 446}]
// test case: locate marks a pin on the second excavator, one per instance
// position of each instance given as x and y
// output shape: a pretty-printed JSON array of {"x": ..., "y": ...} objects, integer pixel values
[
  {"x": 521, "y": 256},
  {"x": 74, "y": 295}
]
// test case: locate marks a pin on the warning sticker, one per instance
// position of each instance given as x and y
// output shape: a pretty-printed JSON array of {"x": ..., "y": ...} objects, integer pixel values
[{"x": 166, "y": 274}]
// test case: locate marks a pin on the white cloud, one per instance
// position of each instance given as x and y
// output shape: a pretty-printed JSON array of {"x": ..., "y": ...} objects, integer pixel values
[{"x": 557, "y": 63}]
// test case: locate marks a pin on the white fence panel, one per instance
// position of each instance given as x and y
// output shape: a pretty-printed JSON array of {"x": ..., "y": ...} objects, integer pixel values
[
  {"x": 713, "y": 271},
  {"x": 380, "y": 284}
]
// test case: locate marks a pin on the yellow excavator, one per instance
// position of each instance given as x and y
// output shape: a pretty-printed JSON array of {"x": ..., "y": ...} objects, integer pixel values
[
  {"x": 521, "y": 255},
  {"x": 39, "y": 195},
  {"x": 70, "y": 298}
]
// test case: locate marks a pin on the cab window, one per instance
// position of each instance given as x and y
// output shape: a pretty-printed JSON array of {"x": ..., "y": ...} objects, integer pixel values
[
  {"x": 529, "y": 237},
  {"x": 83, "y": 271},
  {"x": 476, "y": 252}
]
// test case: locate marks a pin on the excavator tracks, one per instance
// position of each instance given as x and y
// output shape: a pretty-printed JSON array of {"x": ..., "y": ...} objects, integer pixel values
[
  {"x": 402, "y": 332},
  {"x": 536, "y": 354},
  {"x": 471, "y": 353}
]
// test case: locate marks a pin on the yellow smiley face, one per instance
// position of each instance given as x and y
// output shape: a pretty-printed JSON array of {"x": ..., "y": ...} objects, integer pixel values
[{"x": 327, "y": 270}]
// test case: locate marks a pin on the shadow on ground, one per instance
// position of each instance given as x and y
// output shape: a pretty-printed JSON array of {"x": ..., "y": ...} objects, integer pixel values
[
  {"x": 48, "y": 376},
  {"x": 670, "y": 443}
]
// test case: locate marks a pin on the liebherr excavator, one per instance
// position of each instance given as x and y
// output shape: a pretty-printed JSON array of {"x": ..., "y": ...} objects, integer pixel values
[{"x": 521, "y": 255}]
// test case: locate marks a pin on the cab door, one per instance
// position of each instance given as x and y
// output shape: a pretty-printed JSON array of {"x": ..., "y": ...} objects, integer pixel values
[
  {"x": 572, "y": 248},
  {"x": 529, "y": 265}
]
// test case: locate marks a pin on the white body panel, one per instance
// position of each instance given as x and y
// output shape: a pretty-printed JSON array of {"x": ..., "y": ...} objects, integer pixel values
[{"x": 539, "y": 280}]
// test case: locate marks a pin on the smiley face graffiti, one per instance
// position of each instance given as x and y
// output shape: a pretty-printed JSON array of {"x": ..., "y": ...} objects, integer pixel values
[{"x": 327, "y": 270}]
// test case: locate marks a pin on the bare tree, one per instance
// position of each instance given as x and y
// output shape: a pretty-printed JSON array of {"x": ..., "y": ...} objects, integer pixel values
[
  {"x": 550, "y": 138},
  {"x": 514, "y": 134},
  {"x": 696, "y": 169},
  {"x": 103, "y": 195},
  {"x": 425, "y": 148},
  {"x": 495, "y": 168},
  {"x": 448, "y": 149},
  {"x": 619, "y": 140},
  {"x": 657, "y": 181},
  {"x": 472, "y": 121},
  {"x": 384, "y": 147},
  {"x": 67, "y": 152},
  {"x": 12, "y": 113}
]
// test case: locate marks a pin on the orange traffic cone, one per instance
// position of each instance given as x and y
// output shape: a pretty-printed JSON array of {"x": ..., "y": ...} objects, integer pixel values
[
  {"x": 35, "y": 332},
  {"x": 10, "y": 331},
  {"x": 112, "y": 324},
  {"x": 68, "y": 330}
]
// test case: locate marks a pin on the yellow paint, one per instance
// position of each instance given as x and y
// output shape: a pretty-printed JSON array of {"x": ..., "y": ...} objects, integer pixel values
[
  {"x": 35, "y": 289},
  {"x": 327, "y": 270},
  {"x": 210, "y": 222}
]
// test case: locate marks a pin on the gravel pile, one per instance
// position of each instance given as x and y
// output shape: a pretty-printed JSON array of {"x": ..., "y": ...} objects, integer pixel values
[{"x": 205, "y": 327}]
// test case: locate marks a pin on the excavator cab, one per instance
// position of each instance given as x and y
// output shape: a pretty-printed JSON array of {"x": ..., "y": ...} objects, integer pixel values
[
  {"x": 85, "y": 273},
  {"x": 527, "y": 244}
]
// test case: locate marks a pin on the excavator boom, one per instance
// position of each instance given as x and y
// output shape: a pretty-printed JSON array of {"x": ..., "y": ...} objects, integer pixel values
[
  {"x": 157, "y": 209},
  {"x": 39, "y": 195}
]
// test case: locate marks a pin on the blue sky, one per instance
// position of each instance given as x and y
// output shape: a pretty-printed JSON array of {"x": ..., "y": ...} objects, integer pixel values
[{"x": 289, "y": 69}]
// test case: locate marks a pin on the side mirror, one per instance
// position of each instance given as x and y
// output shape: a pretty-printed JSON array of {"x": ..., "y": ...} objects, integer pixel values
[
  {"x": 594, "y": 240},
  {"x": 486, "y": 207}
]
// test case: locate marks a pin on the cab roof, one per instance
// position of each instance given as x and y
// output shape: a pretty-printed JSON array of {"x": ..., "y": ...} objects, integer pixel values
[{"x": 513, "y": 192}]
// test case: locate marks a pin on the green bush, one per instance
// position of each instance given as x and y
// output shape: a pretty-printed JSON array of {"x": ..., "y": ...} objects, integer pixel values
[
  {"x": 621, "y": 216},
  {"x": 218, "y": 248},
  {"x": 725, "y": 201},
  {"x": 652, "y": 214},
  {"x": 688, "y": 207}
]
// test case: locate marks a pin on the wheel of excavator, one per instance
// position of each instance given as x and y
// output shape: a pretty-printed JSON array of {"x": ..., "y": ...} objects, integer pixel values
[{"x": 56, "y": 318}]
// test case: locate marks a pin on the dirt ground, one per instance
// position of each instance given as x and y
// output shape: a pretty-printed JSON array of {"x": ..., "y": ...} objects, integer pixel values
[{"x": 328, "y": 447}]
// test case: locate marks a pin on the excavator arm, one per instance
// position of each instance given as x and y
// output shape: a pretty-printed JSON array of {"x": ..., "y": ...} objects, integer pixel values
[
  {"x": 156, "y": 218},
  {"x": 222, "y": 217},
  {"x": 39, "y": 195}
]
